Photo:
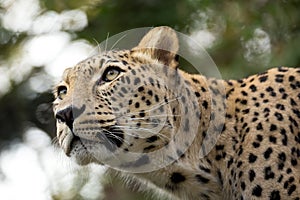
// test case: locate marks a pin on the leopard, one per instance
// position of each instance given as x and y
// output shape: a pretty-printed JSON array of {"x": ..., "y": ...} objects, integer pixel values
[{"x": 186, "y": 135}]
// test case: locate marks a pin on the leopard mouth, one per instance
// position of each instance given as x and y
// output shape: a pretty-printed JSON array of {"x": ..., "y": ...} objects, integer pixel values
[{"x": 111, "y": 138}]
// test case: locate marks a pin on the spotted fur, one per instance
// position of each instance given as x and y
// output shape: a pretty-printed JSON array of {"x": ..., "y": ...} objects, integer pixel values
[{"x": 236, "y": 139}]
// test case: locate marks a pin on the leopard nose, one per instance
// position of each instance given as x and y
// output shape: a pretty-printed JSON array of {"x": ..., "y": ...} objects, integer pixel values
[{"x": 66, "y": 116}]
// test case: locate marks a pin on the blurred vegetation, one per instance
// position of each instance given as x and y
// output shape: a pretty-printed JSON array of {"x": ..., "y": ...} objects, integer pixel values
[{"x": 236, "y": 26}]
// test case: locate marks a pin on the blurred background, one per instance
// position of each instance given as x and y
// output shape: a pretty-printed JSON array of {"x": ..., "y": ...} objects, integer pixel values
[{"x": 40, "y": 38}]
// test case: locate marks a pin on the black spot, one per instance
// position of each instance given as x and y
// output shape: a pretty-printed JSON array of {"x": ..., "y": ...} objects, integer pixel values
[
  {"x": 283, "y": 133},
  {"x": 259, "y": 137},
  {"x": 148, "y": 103},
  {"x": 133, "y": 72},
  {"x": 275, "y": 195},
  {"x": 244, "y": 93},
  {"x": 203, "y": 89},
  {"x": 124, "y": 90},
  {"x": 101, "y": 62},
  {"x": 282, "y": 156},
  {"x": 246, "y": 111},
  {"x": 278, "y": 116},
  {"x": 243, "y": 186},
  {"x": 197, "y": 94},
  {"x": 291, "y": 189},
  {"x": 205, "y": 104},
  {"x": 253, "y": 88},
  {"x": 273, "y": 127},
  {"x": 151, "y": 81},
  {"x": 293, "y": 103},
  {"x": 150, "y": 92},
  {"x": 229, "y": 162},
  {"x": 268, "y": 152},
  {"x": 282, "y": 69},
  {"x": 142, "y": 114},
  {"x": 251, "y": 175},
  {"x": 291, "y": 78},
  {"x": 257, "y": 190},
  {"x": 141, "y": 89},
  {"x": 280, "y": 106},
  {"x": 272, "y": 139},
  {"x": 218, "y": 157},
  {"x": 280, "y": 179},
  {"x": 239, "y": 164},
  {"x": 195, "y": 80},
  {"x": 296, "y": 112},
  {"x": 241, "y": 173},
  {"x": 240, "y": 151},
  {"x": 152, "y": 139},
  {"x": 279, "y": 78},
  {"x": 186, "y": 125},
  {"x": 259, "y": 126},
  {"x": 263, "y": 78},
  {"x": 201, "y": 179},
  {"x": 294, "y": 162},
  {"x": 255, "y": 144},
  {"x": 137, "y": 105},
  {"x": 204, "y": 169},
  {"x": 156, "y": 98},
  {"x": 269, "y": 89},
  {"x": 252, "y": 158},
  {"x": 177, "y": 177},
  {"x": 220, "y": 177},
  {"x": 280, "y": 166},
  {"x": 219, "y": 147},
  {"x": 146, "y": 149},
  {"x": 244, "y": 101},
  {"x": 293, "y": 86},
  {"x": 268, "y": 173}
]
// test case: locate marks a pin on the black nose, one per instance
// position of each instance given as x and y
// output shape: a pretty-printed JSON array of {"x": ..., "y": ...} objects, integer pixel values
[{"x": 66, "y": 116}]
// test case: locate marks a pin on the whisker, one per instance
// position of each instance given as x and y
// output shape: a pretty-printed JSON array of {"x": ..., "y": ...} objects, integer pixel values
[
  {"x": 98, "y": 46},
  {"x": 106, "y": 41},
  {"x": 141, "y": 129},
  {"x": 117, "y": 137},
  {"x": 151, "y": 116}
]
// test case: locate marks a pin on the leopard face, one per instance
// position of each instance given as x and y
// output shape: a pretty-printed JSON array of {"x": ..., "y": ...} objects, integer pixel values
[{"x": 117, "y": 107}]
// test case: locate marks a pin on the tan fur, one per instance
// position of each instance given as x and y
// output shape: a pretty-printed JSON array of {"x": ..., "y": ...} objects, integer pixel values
[{"x": 220, "y": 139}]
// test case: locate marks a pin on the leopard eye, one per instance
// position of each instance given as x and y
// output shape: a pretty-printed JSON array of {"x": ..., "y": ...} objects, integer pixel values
[
  {"x": 62, "y": 92},
  {"x": 110, "y": 74}
]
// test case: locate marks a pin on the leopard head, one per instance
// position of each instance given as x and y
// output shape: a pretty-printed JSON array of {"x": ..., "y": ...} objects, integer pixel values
[{"x": 120, "y": 107}]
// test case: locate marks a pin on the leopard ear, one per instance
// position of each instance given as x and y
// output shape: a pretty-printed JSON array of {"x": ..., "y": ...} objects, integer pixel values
[{"x": 160, "y": 43}]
